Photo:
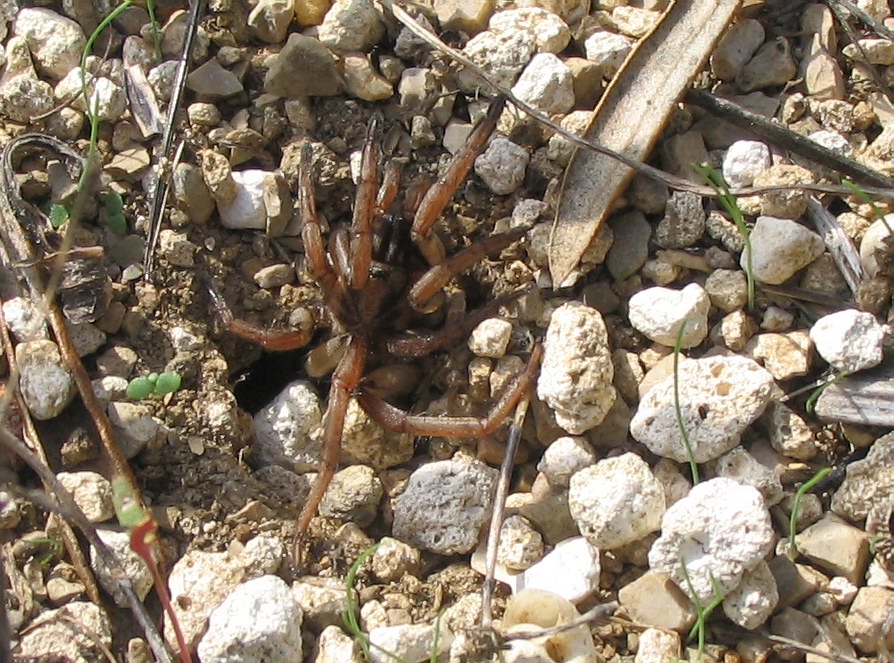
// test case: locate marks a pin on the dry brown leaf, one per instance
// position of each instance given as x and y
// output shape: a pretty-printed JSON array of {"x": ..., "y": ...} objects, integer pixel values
[{"x": 629, "y": 119}]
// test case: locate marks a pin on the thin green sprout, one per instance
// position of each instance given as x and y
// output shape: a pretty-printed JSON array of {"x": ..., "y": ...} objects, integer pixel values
[
  {"x": 810, "y": 404},
  {"x": 702, "y": 611},
  {"x": 678, "y": 411},
  {"x": 796, "y": 506},
  {"x": 715, "y": 180}
]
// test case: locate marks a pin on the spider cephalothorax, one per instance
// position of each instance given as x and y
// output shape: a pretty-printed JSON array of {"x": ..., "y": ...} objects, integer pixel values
[{"x": 373, "y": 292}]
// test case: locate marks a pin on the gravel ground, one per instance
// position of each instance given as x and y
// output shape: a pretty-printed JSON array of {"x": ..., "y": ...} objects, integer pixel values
[{"x": 608, "y": 500}]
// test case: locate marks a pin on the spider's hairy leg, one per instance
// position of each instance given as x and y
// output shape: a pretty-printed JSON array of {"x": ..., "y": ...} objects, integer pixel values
[
  {"x": 344, "y": 380},
  {"x": 415, "y": 345},
  {"x": 365, "y": 206},
  {"x": 442, "y": 191},
  {"x": 311, "y": 235},
  {"x": 269, "y": 339},
  {"x": 430, "y": 283},
  {"x": 389, "y": 189},
  {"x": 395, "y": 419}
]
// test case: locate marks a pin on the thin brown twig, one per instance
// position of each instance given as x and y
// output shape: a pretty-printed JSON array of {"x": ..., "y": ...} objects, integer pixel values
[{"x": 496, "y": 519}]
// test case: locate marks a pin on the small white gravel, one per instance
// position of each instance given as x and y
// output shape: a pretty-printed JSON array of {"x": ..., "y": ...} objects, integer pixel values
[
  {"x": 780, "y": 248},
  {"x": 849, "y": 340},
  {"x": 502, "y": 166},
  {"x": 259, "y": 622},
  {"x": 659, "y": 313},
  {"x": 616, "y": 501}
]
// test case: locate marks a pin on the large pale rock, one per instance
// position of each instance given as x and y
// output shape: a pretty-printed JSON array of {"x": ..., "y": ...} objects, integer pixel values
[
  {"x": 720, "y": 531},
  {"x": 719, "y": 398},
  {"x": 779, "y": 248},
  {"x": 55, "y": 42},
  {"x": 660, "y": 312},
  {"x": 849, "y": 340}
]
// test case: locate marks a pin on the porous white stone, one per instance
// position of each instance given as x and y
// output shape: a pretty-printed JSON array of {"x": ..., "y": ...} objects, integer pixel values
[
  {"x": 565, "y": 456},
  {"x": 616, "y": 501},
  {"x": 657, "y": 646},
  {"x": 24, "y": 319},
  {"x": 55, "y": 42},
  {"x": 133, "y": 565},
  {"x": 92, "y": 492},
  {"x": 501, "y": 55},
  {"x": 550, "y": 33},
  {"x": 502, "y": 165},
  {"x": 445, "y": 505},
  {"x": 351, "y": 25},
  {"x": 720, "y": 531},
  {"x": 198, "y": 583},
  {"x": 408, "y": 642},
  {"x": 520, "y": 544},
  {"x": 659, "y": 313},
  {"x": 491, "y": 338},
  {"x": 727, "y": 289},
  {"x": 22, "y": 97},
  {"x": 751, "y": 603},
  {"x": 247, "y": 210},
  {"x": 546, "y": 84},
  {"x": 104, "y": 96},
  {"x": 259, "y": 622},
  {"x": 849, "y": 340},
  {"x": 44, "y": 381},
  {"x": 779, "y": 248},
  {"x": 392, "y": 559},
  {"x": 743, "y": 160},
  {"x": 283, "y": 428},
  {"x": 263, "y": 554},
  {"x": 719, "y": 398},
  {"x": 336, "y": 646},
  {"x": 576, "y": 374},
  {"x": 69, "y": 634},
  {"x": 608, "y": 50}
]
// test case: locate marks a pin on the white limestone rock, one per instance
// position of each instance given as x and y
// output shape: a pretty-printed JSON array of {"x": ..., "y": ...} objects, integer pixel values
[
  {"x": 720, "y": 531},
  {"x": 546, "y": 84},
  {"x": 501, "y": 55},
  {"x": 751, "y": 603},
  {"x": 571, "y": 570},
  {"x": 502, "y": 166},
  {"x": 866, "y": 481},
  {"x": 616, "y": 501},
  {"x": 565, "y": 456},
  {"x": 659, "y": 312},
  {"x": 62, "y": 634},
  {"x": 92, "y": 492},
  {"x": 520, "y": 544},
  {"x": 849, "y": 340},
  {"x": 741, "y": 466},
  {"x": 719, "y": 398},
  {"x": 551, "y": 34},
  {"x": 491, "y": 338},
  {"x": 780, "y": 248},
  {"x": 576, "y": 374},
  {"x": 134, "y": 567},
  {"x": 408, "y": 642},
  {"x": 445, "y": 505},
  {"x": 744, "y": 159},
  {"x": 44, "y": 381},
  {"x": 24, "y": 319},
  {"x": 55, "y": 42},
  {"x": 351, "y": 25},
  {"x": 608, "y": 50},
  {"x": 259, "y": 622},
  {"x": 284, "y": 428}
]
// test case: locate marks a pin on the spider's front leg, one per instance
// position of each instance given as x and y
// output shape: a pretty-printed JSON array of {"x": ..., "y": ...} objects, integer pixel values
[
  {"x": 344, "y": 380},
  {"x": 442, "y": 191}
]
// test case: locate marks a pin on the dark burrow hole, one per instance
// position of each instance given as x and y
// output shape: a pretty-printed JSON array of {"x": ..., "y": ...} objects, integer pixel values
[{"x": 258, "y": 384}]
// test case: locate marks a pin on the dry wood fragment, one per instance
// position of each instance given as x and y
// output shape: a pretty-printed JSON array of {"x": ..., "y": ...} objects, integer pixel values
[
  {"x": 865, "y": 399},
  {"x": 629, "y": 119}
]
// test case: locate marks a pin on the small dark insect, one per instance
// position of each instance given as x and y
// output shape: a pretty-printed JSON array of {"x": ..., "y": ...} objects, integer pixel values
[{"x": 373, "y": 297}]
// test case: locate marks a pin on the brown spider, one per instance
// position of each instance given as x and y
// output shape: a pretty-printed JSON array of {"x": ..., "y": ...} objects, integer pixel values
[{"x": 373, "y": 297}]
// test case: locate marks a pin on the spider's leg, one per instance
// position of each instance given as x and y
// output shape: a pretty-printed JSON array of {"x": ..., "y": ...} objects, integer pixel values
[
  {"x": 442, "y": 191},
  {"x": 422, "y": 344},
  {"x": 390, "y": 186},
  {"x": 344, "y": 380},
  {"x": 395, "y": 419},
  {"x": 430, "y": 283},
  {"x": 269, "y": 339},
  {"x": 365, "y": 206},
  {"x": 311, "y": 234}
]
